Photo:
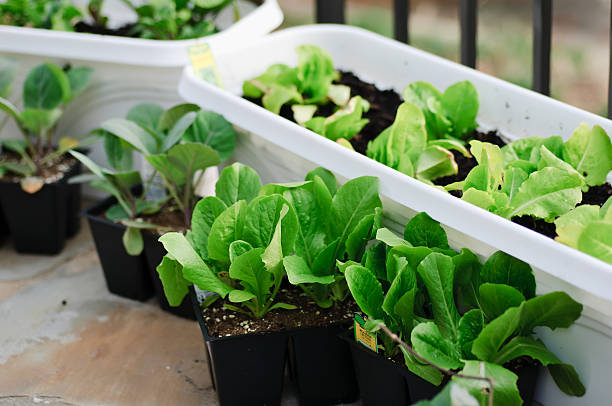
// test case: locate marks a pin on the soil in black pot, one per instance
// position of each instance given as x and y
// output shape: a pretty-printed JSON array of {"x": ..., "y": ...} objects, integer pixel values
[
  {"x": 52, "y": 171},
  {"x": 221, "y": 322}
]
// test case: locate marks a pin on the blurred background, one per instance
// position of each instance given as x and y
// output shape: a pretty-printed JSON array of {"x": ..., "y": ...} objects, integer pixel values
[{"x": 580, "y": 39}]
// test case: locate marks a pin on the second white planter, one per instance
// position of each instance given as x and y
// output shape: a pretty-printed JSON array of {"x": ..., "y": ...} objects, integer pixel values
[
  {"x": 127, "y": 71},
  {"x": 283, "y": 151}
]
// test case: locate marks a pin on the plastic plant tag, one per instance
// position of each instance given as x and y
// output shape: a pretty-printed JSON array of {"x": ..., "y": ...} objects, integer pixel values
[
  {"x": 361, "y": 334},
  {"x": 203, "y": 63}
]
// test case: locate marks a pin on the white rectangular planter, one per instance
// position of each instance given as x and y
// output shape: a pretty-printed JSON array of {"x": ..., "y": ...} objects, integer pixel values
[
  {"x": 128, "y": 71},
  {"x": 283, "y": 151}
]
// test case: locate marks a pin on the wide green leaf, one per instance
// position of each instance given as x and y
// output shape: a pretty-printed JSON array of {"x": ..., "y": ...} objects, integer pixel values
[
  {"x": 435, "y": 162},
  {"x": 40, "y": 120},
  {"x": 423, "y": 231},
  {"x": 496, "y": 298},
  {"x": 171, "y": 275},
  {"x": 132, "y": 241},
  {"x": 251, "y": 271},
  {"x": 177, "y": 131},
  {"x": 326, "y": 176},
  {"x": 571, "y": 225},
  {"x": 191, "y": 157},
  {"x": 170, "y": 117},
  {"x": 553, "y": 310},
  {"x": 390, "y": 238},
  {"x": 460, "y": 104},
  {"x": 590, "y": 152},
  {"x": 213, "y": 129},
  {"x": 315, "y": 72},
  {"x": 502, "y": 268},
  {"x": 429, "y": 342},
  {"x": 299, "y": 272},
  {"x": 204, "y": 214},
  {"x": 567, "y": 379},
  {"x": 596, "y": 240},
  {"x": 356, "y": 199},
  {"x": 404, "y": 282},
  {"x": 145, "y": 115},
  {"x": 311, "y": 217},
  {"x": 547, "y": 194},
  {"x": 194, "y": 269},
  {"x": 45, "y": 87},
  {"x": 494, "y": 334},
  {"x": 237, "y": 182},
  {"x": 78, "y": 77}
]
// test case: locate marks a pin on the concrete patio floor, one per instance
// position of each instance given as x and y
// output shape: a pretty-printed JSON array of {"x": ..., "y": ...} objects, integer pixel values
[{"x": 65, "y": 340}]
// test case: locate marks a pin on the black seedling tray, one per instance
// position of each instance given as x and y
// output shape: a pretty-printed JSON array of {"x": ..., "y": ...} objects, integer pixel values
[
  {"x": 125, "y": 275},
  {"x": 245, "y": 369},
  {"x": 39, "y": 223}
]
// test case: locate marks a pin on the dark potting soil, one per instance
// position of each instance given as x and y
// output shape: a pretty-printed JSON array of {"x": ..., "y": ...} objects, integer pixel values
[
  {"x": 167, "y": 218},
  {"x": 222, "y": 322},
  {"x": 52, "y": 171},
  {"x": 466, "y": 164},
  {"x": 597, "y": 195},
  {"x": 383, "y": 106},
  {"x": 126, "y": 30}
]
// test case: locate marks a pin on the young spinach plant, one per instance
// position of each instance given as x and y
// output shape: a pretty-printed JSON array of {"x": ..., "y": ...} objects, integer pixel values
[
  {"x": 46, "y": 92},
  {"x": 179, "y": 143}
]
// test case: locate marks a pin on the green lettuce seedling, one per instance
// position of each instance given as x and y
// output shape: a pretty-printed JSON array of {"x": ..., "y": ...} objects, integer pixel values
[
  {"x": 588, "y": 228},
  {"x": 539, "y": 177},
  {"x": 334, "y": 224},
  {"x": 451, "y": 114},
  {"x": 46, "y": 92},
  {"x": 309, "y": 83},
  {"x": 457, "y": 313},
  {"x": 404, "y": 146},
  {"x": 236, "y": 246}
]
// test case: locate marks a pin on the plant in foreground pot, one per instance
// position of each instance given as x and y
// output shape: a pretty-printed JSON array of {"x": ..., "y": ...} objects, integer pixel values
[
  {"x": 239, "y": 248},
  {"x": 461, "y": 315},
  {"x": 33, "y": 169}
]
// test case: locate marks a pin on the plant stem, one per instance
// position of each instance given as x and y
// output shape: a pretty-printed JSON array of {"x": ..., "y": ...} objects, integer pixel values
[{"x": 447, "y": 372}]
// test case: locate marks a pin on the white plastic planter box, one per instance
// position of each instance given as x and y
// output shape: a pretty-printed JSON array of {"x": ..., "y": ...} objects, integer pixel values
[
  {"x": 283, "y": 151},
  {"x": 128, "y": 71}
]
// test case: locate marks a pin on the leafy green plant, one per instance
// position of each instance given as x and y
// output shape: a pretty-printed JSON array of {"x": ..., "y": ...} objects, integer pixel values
[
  {"x": 451, "y": 114},
  {"x": 159, "y": 19},
  {"x": 236, "y": 246},
  {"x": 171, "y": 19},
  {"x": 545, "y": 178},
  {"x": 179, "y": 143},
  {"x": 334, "y": 224},
  {"x": 588, "y": 228},
  {"x": 459, "y": 314},
  {"x": 46, "y": 91},
  {"x": 59, "y": 15},
  {"x": 406, "y": 147}
]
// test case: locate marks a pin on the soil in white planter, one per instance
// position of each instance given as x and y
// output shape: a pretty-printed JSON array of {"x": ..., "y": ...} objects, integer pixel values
[{"x": 383, "y": 107}]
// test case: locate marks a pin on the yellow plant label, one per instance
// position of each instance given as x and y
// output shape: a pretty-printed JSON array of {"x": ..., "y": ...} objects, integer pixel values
[
  {"x": 203, "y": 63},
  {"x": 361, "y": 334}
]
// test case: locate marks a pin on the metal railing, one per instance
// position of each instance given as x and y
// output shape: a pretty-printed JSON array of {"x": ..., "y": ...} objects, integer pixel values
[{"x": 332, "y": 11}]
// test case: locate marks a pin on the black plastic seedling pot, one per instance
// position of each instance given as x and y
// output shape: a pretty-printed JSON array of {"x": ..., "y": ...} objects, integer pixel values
[
  {"x": 154, "y": 251},
  {"x": 39, "y": 223},
  {"x": 4, "y": 230},
  {"x": 246, "y": 370},
  {"x": 125, "y": 275},
  {"x": 383, "y": 382},
  {"x": 322, "y": 366}
]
